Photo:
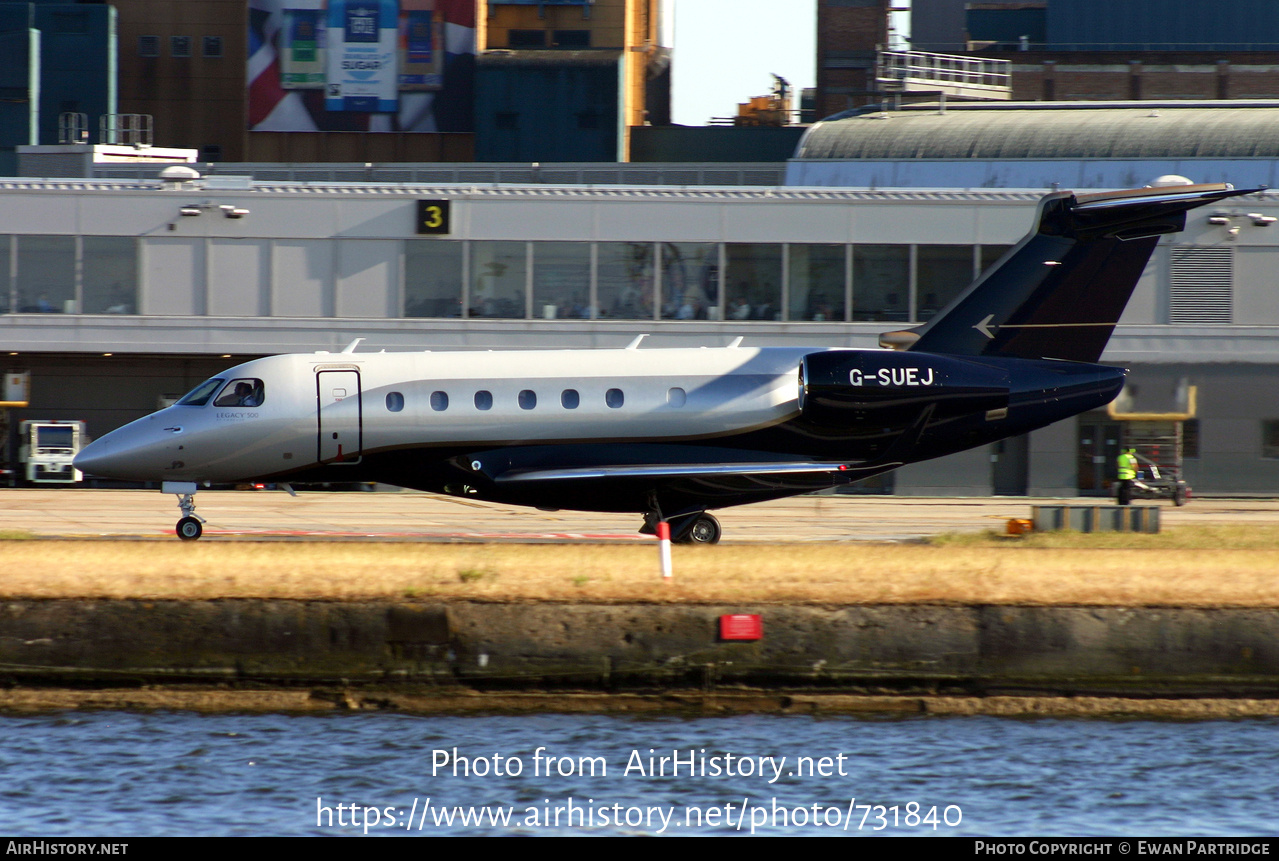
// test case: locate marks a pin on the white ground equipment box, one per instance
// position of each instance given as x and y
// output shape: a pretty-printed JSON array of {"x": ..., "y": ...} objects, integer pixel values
[{"x": 47, "y": 448}]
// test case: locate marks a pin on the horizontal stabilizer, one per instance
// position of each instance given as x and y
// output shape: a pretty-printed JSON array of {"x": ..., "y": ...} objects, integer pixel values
[{"x": 1059, "y": 293}]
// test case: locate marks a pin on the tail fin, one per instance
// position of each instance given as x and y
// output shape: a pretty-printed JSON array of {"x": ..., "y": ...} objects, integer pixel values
[{"x": 1060, "y": 291}]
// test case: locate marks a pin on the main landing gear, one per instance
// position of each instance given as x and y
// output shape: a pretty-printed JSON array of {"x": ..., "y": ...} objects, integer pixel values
[
  {"x": 696, "y": 528},
  {"x": 191, "y": 526},
  {"x": 705, "y": 529}
]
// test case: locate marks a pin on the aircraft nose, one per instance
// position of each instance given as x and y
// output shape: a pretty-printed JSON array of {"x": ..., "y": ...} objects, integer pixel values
[
  {"x": 129, "y": 453},
  {"x": 101, "y": 457}
]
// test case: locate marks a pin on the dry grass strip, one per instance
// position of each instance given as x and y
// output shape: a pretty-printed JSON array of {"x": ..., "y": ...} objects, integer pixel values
[{"x": 1191, "y": 567}]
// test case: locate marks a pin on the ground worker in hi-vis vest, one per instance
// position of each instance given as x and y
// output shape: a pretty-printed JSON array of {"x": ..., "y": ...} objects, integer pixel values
[{"x": 1127, "y": 474}]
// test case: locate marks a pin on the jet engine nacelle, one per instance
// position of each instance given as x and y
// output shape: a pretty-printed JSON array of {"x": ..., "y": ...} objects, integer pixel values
[{"x": 889, "y": 390}]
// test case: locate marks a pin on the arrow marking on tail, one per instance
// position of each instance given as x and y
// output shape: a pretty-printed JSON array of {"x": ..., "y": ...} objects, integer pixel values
[{"x": 985, "y": 326}]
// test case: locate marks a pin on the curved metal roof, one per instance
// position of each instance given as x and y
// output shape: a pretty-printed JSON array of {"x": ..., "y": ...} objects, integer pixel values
[{"x": 1148, "y": 131}]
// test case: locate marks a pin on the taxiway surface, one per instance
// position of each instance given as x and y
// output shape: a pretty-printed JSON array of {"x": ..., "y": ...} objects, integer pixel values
[{"x": 413, "y": 516}]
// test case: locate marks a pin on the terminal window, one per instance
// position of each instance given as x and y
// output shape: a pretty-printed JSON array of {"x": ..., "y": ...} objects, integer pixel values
[
  {"x": 1190, "y": 438},
  {"x": 1270, "y": 438},
  {"x": 624, "y": 280},
  {"x": 571, "y": 38},
  {"x": 148, "y": 46},
  {"x": 753, "y": 280},
  {"x": 881, "y": 279},
  {"x": 526, "y": 38},
  {"x": 817, "y": 275},
  {"x": 941, "y": 272},
  {"x": 180, "y": 46}
]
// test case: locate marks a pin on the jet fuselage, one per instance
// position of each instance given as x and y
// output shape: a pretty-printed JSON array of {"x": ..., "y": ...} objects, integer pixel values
[{"x": 597, "y": 429}]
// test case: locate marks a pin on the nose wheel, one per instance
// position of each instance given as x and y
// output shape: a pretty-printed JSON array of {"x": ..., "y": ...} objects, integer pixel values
[{"x": 191, "y": 526}]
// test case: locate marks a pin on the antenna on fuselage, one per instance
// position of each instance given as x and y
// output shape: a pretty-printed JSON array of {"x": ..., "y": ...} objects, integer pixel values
[
  {"x": 350, "y": 348},
  {"x": 634, "y": 345},
  {"x": 736, "y": 342}
]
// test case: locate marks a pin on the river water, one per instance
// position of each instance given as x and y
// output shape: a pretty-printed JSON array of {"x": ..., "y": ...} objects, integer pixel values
[{"x": 115, "y": 774}]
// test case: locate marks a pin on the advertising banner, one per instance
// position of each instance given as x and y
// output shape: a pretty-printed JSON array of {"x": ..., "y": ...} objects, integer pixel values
[
  {"x": 361, "y": 65},
  {"x": 361, "y": 69}
]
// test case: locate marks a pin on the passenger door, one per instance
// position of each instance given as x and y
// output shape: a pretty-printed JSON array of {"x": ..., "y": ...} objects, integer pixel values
[{"x": 339, "y": 416}]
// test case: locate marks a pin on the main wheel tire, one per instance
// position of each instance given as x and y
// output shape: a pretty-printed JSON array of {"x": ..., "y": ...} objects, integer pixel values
[
  {"x": 705, "y": 530},
  {"x": 189, "y": 529}
]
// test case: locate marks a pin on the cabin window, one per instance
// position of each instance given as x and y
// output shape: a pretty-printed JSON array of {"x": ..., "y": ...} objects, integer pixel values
[
  {"x": 676, "y": 397},
  {"x": 439, "y": 401},
  {"x": 528, "y": 399},
  {"x": 199, "y": 396},
  {"x": 241, "y": 393},
  {"x": 394, "y": 401},
  {"x": 614, "y": 398},
  {"x": 569, "y": 399},
  {"x": 483, "y": 400}
]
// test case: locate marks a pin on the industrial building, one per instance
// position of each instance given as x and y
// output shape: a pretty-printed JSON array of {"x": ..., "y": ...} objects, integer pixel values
[
  {"x": 1008, "y": 144},
  {"x": 1059, "y": 50}
]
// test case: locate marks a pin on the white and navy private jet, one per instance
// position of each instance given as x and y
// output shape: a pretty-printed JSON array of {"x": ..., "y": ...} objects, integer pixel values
[{"x": 671, "y": 433}]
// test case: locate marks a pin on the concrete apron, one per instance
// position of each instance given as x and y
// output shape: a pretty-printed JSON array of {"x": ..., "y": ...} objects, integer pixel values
[{"x": 443, "y": 651}]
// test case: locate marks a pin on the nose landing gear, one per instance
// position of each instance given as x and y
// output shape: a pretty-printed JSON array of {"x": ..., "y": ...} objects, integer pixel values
[{"x": 191, "y": 526}]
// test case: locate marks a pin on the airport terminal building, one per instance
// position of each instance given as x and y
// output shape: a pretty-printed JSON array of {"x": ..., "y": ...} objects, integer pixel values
[{"x": 119, "y": 294}]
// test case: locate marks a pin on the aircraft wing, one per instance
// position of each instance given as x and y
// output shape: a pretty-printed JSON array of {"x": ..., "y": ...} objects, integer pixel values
[{"x": 691, "y": 470}]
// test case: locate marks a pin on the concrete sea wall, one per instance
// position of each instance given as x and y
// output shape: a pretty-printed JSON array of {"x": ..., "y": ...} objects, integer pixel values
[{"x": 447, "y": 648}]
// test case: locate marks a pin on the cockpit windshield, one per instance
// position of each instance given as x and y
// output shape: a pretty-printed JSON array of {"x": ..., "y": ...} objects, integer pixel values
[
  {"x": 241, "y": 393},
  {"x": 199, "y": 396}
]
